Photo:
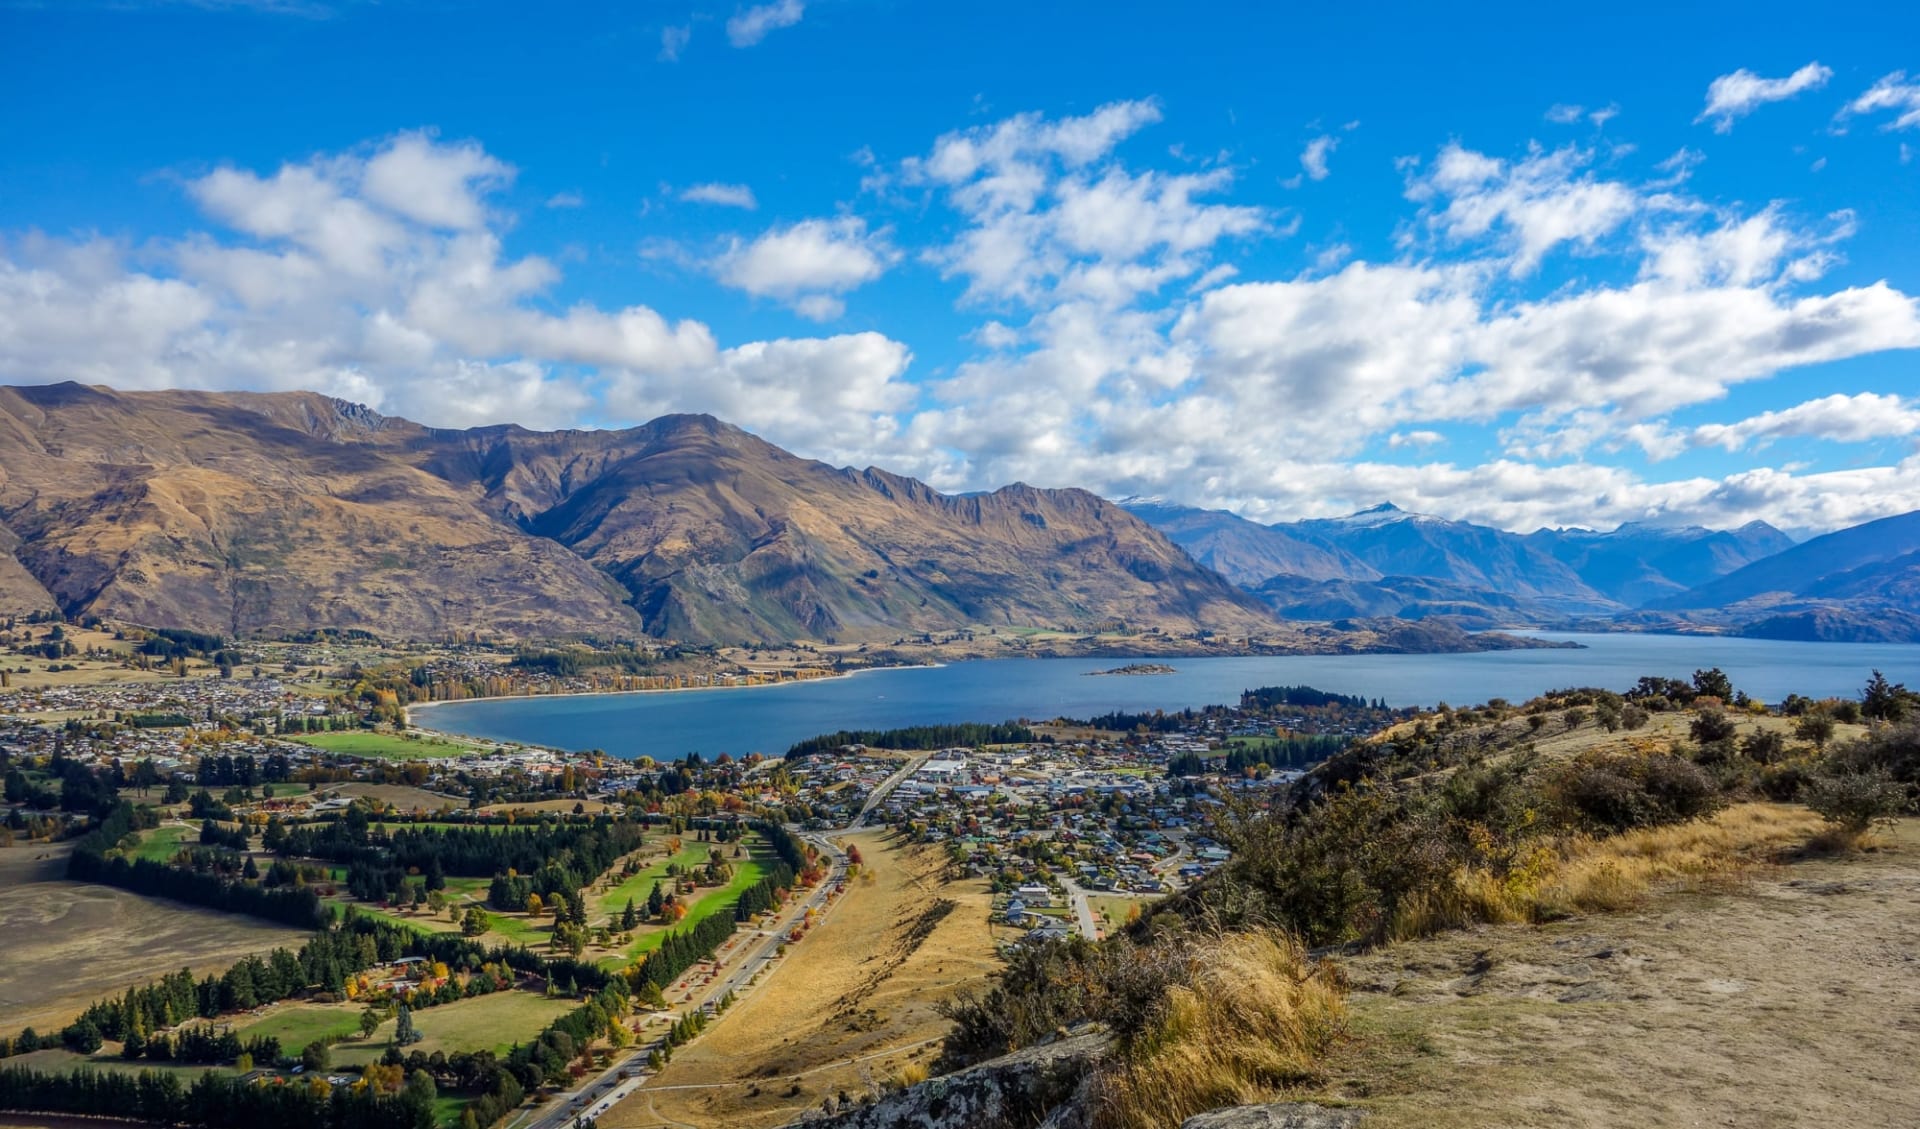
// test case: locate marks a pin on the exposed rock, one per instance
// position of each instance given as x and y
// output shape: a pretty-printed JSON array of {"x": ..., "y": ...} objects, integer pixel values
[
  {"x": 1278, "y": 1115},
  {"x": 1015, "y": 1091}
]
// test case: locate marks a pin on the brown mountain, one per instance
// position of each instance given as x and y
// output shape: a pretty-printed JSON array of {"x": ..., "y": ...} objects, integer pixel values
[{"x": 268, "y": 513}]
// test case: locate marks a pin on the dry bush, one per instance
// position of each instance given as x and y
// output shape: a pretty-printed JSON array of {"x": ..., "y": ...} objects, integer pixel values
[{"x": 1255, "y": 1015}]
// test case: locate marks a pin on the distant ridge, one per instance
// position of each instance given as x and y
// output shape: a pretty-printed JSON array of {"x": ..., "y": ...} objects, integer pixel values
[{"x": 276, "y": 512}]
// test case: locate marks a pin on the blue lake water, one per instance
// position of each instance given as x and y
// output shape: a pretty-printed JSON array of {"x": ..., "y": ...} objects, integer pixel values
[{"x": 769, "y": 719}]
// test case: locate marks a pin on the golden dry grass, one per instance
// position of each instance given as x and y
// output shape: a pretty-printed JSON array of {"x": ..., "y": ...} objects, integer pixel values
[
  {"x": 1587, "y": 875},
  {"x": 851, "y": 1007},
  {"x": 1257, "y": 1016}
]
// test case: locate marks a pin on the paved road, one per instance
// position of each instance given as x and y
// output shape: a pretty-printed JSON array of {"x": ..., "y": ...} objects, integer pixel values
[
  {"x": 1082, "y": 909},
  {"x": 885, "y": 789},
  {"x": 594, "y": 1097}
]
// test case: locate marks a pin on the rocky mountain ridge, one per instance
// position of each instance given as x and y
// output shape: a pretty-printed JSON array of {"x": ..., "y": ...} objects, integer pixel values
[{"x": 275, "y": 512}]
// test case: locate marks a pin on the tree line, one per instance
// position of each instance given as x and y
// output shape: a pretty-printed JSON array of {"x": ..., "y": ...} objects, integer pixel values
[
  {"x": 213, "y": 1101},
  {"x": 966, "y": 734},
  {"x": 1281, "y": 752},
  {"x": 94, "y": 860},
  {"x": 469, "y": 852}
]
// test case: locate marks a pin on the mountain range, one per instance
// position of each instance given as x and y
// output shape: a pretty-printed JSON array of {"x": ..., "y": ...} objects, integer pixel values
[
  {"x": 257, "y": 513},
  {"x": 1860, "y": 583},
  {"x": 274, "y": 513}
]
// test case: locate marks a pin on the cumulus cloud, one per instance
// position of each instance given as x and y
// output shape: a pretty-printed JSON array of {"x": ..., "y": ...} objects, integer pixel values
[
  {"x": 1895, "y": 93},
  {"x": 1544, "y": 200},
  {"x": 379, "y": 278},
  {"x": 807, "y": 264},
  {"x": 1738, "y": 94},
  {"x": 1839, "y": 418},
  {"x": 722, "y": 195},
  {"x": 753, "y": 25},
  {"x": 1127, "y": 343}
]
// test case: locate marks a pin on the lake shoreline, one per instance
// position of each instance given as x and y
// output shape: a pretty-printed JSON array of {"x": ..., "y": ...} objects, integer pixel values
[
  {"x": 836, "y": 676},
  {"x": 665, "y": 726}
]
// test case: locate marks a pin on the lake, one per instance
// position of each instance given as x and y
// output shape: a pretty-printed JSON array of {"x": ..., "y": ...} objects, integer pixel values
[{"x": 769, "y": 719}]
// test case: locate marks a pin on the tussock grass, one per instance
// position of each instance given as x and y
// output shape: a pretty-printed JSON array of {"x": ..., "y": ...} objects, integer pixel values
[
  {"x": 1588, "y": 875},
  {"x": 1255, "y": 1015}
]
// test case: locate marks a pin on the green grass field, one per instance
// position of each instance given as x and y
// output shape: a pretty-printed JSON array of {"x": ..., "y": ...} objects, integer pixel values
[
  {"x": 296, "y": 1025},
  {"x": 60, "y": 1061},
  {"x": 641, "y": 884},
  {"x": 719, "y": 899},
  {"x": 383, "y": 746},
  {"x": 1113, "y": 909},
  {"x": 485, "y": 1023},
  {"x": 161, "y": 843},
  {"x": 520, "y": 929}
]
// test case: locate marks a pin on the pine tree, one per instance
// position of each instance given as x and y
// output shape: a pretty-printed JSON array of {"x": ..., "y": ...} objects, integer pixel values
[
  {"x": 630, "y": 918},
  {"x": 404, "y": 1032}
]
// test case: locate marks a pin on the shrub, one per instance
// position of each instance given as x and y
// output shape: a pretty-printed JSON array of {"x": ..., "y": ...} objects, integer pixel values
[
  {"x": 1854, "y": 800},
  {"x": 1615, "y": 793},
  {"x": 1712, "y": 727}
]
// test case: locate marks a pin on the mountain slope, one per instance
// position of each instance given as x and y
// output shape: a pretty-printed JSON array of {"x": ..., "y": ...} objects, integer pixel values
[
  {"x": 268, "y": 514},
  {"x": 1636, "y": 564},
  {"x": 277, "y": 512},
  {"x": 1813, "y": 569},
  {"x": 1246, "y": 552},
  {"x": 1398, "y": 543}
]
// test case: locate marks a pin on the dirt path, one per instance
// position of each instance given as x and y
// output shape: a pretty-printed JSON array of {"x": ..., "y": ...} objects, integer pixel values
[
  {"x": 851, "y": 1006},
  {"x": 1792, "y": 1001}
]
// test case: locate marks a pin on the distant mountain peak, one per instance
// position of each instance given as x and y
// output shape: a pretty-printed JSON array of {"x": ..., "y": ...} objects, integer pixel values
[{"x": 1382, "y": 508}]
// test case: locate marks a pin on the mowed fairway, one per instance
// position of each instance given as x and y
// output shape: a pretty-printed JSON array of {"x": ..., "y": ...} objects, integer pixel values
[
  {"x": 382, "y": 746},
  {"x": 484, "y": 1023},
  {"x": 64, "y": 945},
  {"x": 296, "y": 1025},
  {"x": 862, "y": 985}
]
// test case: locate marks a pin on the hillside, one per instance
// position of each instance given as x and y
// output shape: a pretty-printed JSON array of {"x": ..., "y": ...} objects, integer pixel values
[
  {"x": 1820, "y": 567},
  {"x": 1636, "y": 564},
  {"x": 269, "y": 513},
  {"x": 1246, "y": 552}
]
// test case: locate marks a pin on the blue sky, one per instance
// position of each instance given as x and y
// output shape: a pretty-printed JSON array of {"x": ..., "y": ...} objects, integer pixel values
[{"x": 1646, "y": 263}]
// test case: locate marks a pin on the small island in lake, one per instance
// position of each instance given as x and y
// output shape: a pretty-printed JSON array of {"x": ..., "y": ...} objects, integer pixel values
[{"x": 1137, "y": 668}]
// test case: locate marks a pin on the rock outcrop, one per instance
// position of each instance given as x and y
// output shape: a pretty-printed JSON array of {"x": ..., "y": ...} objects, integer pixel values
[
  {"x": 1016, "y": 1091},
  {"x": 1278, "y": 1115}
]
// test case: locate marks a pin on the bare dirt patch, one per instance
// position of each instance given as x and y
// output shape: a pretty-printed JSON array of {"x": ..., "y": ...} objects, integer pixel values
[
  {"x": 850, "y": 1008},
  {"x": 65, "y": 944},
  {"x": 1787, "y": 1000}
]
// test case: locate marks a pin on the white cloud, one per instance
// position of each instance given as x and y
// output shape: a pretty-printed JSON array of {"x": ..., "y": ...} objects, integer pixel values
[
  {"x": 807, "y": 264},
  {"x": 1129, "y": 347},
  {"x": 1313, "y": 159},
  {"x": 674, "y": 40},
  {"x": 433, "y": 184},
  {"x": 1893, "y": 92},
  {"x": 566, "y": 200},
  {"x": 1837, "y": 418},
  {"x": 1738, "y": 94},
  {"x": 395, "y": 302},
  {"x": 752, "y": 25},
  {"x": 722, "y": 195},
  {"x": 1565, "y": 113},
  {"x": 828, "y": 397},
  {"x": 1540, "y": 202}
]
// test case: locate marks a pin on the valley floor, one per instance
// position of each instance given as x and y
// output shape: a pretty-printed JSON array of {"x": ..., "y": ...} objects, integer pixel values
[
  {"x": 850, "y": 1008},
  {"x": 1791, "y": 1000}
]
